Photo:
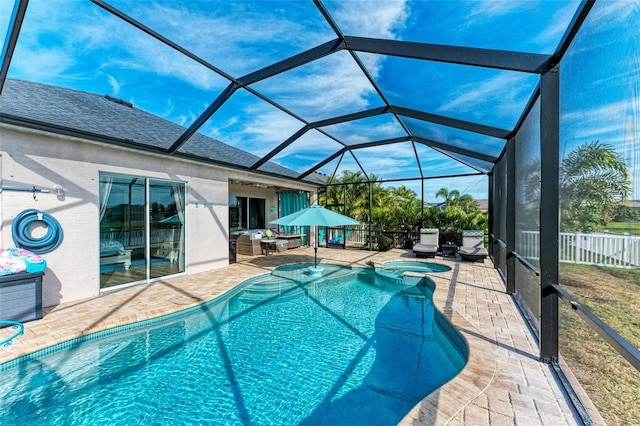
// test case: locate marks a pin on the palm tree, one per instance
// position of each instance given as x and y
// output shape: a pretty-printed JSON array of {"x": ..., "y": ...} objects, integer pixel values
[
  {"x": 459, "y": 212},
  {"x": 407, "y": 211},
  {"x": 352, "y": 198},
  {"x": 453, "y": 198},
  {"x": 593, "y": 182}
]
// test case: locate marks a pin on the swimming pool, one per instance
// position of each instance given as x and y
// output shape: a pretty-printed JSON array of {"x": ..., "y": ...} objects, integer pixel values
[{"x": 349, "y": 348}]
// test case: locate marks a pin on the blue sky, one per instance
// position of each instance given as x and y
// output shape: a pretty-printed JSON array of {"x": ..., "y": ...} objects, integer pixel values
[{"x": 75, "y": 44}]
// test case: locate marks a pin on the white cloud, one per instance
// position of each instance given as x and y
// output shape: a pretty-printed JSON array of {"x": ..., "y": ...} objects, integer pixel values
[
  {"x": 505, "y": 93},
  {"x": 115, "y": 86},
  {"x": 256, "y": 127},
  {"x": 378, "y": 19},
  {"x": 549, "y": 37},
  {"x": 608, "y": 123},
  {"x": 389, "y": 161},
  {"x": 231, "y": 39},
  {"x": 617, "y": 10},
  {"x": 366, "y": 130},
  {"x": 56, "y": 41},
  {"x": 41, "y": 64},
  {"x": 307, "y": 151},
  {"x": 482, "y": 10},
  {"x": 327, "y": 87}
]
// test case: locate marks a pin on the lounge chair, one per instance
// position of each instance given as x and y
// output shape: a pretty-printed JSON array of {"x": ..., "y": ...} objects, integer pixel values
[
  {"x": 473, "y": 246},
  {"x": 428, "y": 245}
]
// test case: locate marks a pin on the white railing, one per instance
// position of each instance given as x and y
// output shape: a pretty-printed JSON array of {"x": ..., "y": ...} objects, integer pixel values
[
  {"x": 136, "y": 237},
  {"x": 618, "y": 251},
  {"x": 357, "y": 235}
]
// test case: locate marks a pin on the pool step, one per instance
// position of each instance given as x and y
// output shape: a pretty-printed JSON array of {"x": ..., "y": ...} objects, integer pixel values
[
  {"x": 269, "y": 287},
  {"x": 391, "y": 274}
]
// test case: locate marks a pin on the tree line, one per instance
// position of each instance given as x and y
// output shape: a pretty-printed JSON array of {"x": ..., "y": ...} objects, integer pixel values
[
  {"x": 400, "y": 208},
  {"x": 593, "y": 186}
]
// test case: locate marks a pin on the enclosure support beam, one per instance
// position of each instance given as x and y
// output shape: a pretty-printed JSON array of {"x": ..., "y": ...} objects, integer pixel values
[
  {"x": 211, "y": 109},
  {"x": 370, "y": 213},
  {"x": 498, "y": 59},
  {"x": 491, "y": 213},
  {"x": 15, "y": 23},
  {"x": 422, "y": 204},
  {"x": 509, "y": 190},
  {"x": 549, "y": 208}
]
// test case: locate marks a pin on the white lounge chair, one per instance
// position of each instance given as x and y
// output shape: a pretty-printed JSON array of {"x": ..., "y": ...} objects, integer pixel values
[
  {"x": 428, "y": 245},
  {"x": 473, "y": 246}
]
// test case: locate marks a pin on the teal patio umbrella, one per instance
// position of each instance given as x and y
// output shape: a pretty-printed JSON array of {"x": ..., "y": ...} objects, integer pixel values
[{"x": 315, "y": 216}]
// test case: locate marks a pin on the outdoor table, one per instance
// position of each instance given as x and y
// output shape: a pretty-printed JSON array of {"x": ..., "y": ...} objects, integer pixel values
[
  {"x": 266, "y": 244},
  {"x": 448, "y": 250},
  {"x": 293, "y": 240}
]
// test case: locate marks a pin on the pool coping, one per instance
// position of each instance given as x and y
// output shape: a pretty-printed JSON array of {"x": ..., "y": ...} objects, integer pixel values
[{"x": 444, "y": 404}]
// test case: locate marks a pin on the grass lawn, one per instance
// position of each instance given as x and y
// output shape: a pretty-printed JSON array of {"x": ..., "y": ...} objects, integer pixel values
[
  {"x": 632, "y": 228},
  {"x": 614, "y": 296}
]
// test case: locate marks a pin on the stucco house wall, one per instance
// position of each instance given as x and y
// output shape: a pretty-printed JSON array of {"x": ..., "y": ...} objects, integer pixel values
[{"x": 31, "y": 158}]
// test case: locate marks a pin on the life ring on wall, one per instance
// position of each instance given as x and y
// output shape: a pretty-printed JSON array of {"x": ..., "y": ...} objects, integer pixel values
[{"x": 23, "y": 239}]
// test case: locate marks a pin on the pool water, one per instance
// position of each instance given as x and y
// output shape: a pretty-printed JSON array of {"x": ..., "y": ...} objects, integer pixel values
[
  {"x": 395, "y": 269},
  {"x": 282, "y": 349}
]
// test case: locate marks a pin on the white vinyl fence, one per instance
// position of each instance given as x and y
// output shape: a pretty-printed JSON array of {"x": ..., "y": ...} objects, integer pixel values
[{"x": 619, "y": 251}]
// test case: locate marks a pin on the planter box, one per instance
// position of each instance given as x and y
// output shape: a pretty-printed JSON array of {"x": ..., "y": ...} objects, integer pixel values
[{"x": 21, "y": 296}]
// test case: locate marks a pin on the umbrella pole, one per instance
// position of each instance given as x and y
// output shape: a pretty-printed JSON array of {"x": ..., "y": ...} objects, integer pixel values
[{"x": 315, "y": 250}]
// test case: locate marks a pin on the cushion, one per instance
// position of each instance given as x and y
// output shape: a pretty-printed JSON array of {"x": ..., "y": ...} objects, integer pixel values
[
  {"x": 427, "y": 248},
  {"x": 111, "y": 248},
  {"x": 473, "y": 251},
  {"x": 473, "y": 233},
  {"x": 16, "y": 260},
  {"x": 429, "y": 230}
]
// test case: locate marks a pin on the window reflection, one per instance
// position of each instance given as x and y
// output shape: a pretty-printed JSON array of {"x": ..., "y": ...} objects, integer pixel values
[{"x": 136, "y": 246}]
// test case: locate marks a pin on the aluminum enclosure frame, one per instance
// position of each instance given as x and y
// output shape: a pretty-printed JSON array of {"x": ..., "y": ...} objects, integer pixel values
[{"x": 545, "y": 66}]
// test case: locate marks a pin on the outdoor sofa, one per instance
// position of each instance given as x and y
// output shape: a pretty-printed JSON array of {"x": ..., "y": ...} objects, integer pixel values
[{"x": 250, "y": 243}]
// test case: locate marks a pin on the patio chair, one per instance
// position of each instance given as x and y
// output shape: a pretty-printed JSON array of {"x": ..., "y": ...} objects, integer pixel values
[
  {"x": 428, "y": 245},
  {"x": 473, "y": 246},
  {"x": 248, "y": 246}
]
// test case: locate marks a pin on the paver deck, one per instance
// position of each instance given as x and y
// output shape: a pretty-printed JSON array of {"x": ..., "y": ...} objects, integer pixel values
[{"x": 502, "y": 384}]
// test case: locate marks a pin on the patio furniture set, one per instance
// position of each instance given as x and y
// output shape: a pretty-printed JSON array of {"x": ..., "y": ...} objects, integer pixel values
[
  {"x": 472, "y": 247},
  {"x": 250, "y": 244}
]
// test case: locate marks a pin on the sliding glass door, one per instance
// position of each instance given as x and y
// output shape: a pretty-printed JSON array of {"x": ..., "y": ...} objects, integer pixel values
[
  {"x": 256, "y": 213},
  {"x": 166, "y": 228},
  {"x": 237, "y": 213},
  {"x": 246, "y": 213},
  {"x": 142, "y": 232}
]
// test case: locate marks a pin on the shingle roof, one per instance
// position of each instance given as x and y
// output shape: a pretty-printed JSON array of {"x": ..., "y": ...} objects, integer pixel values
[{"x": 92, "y": 114}]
